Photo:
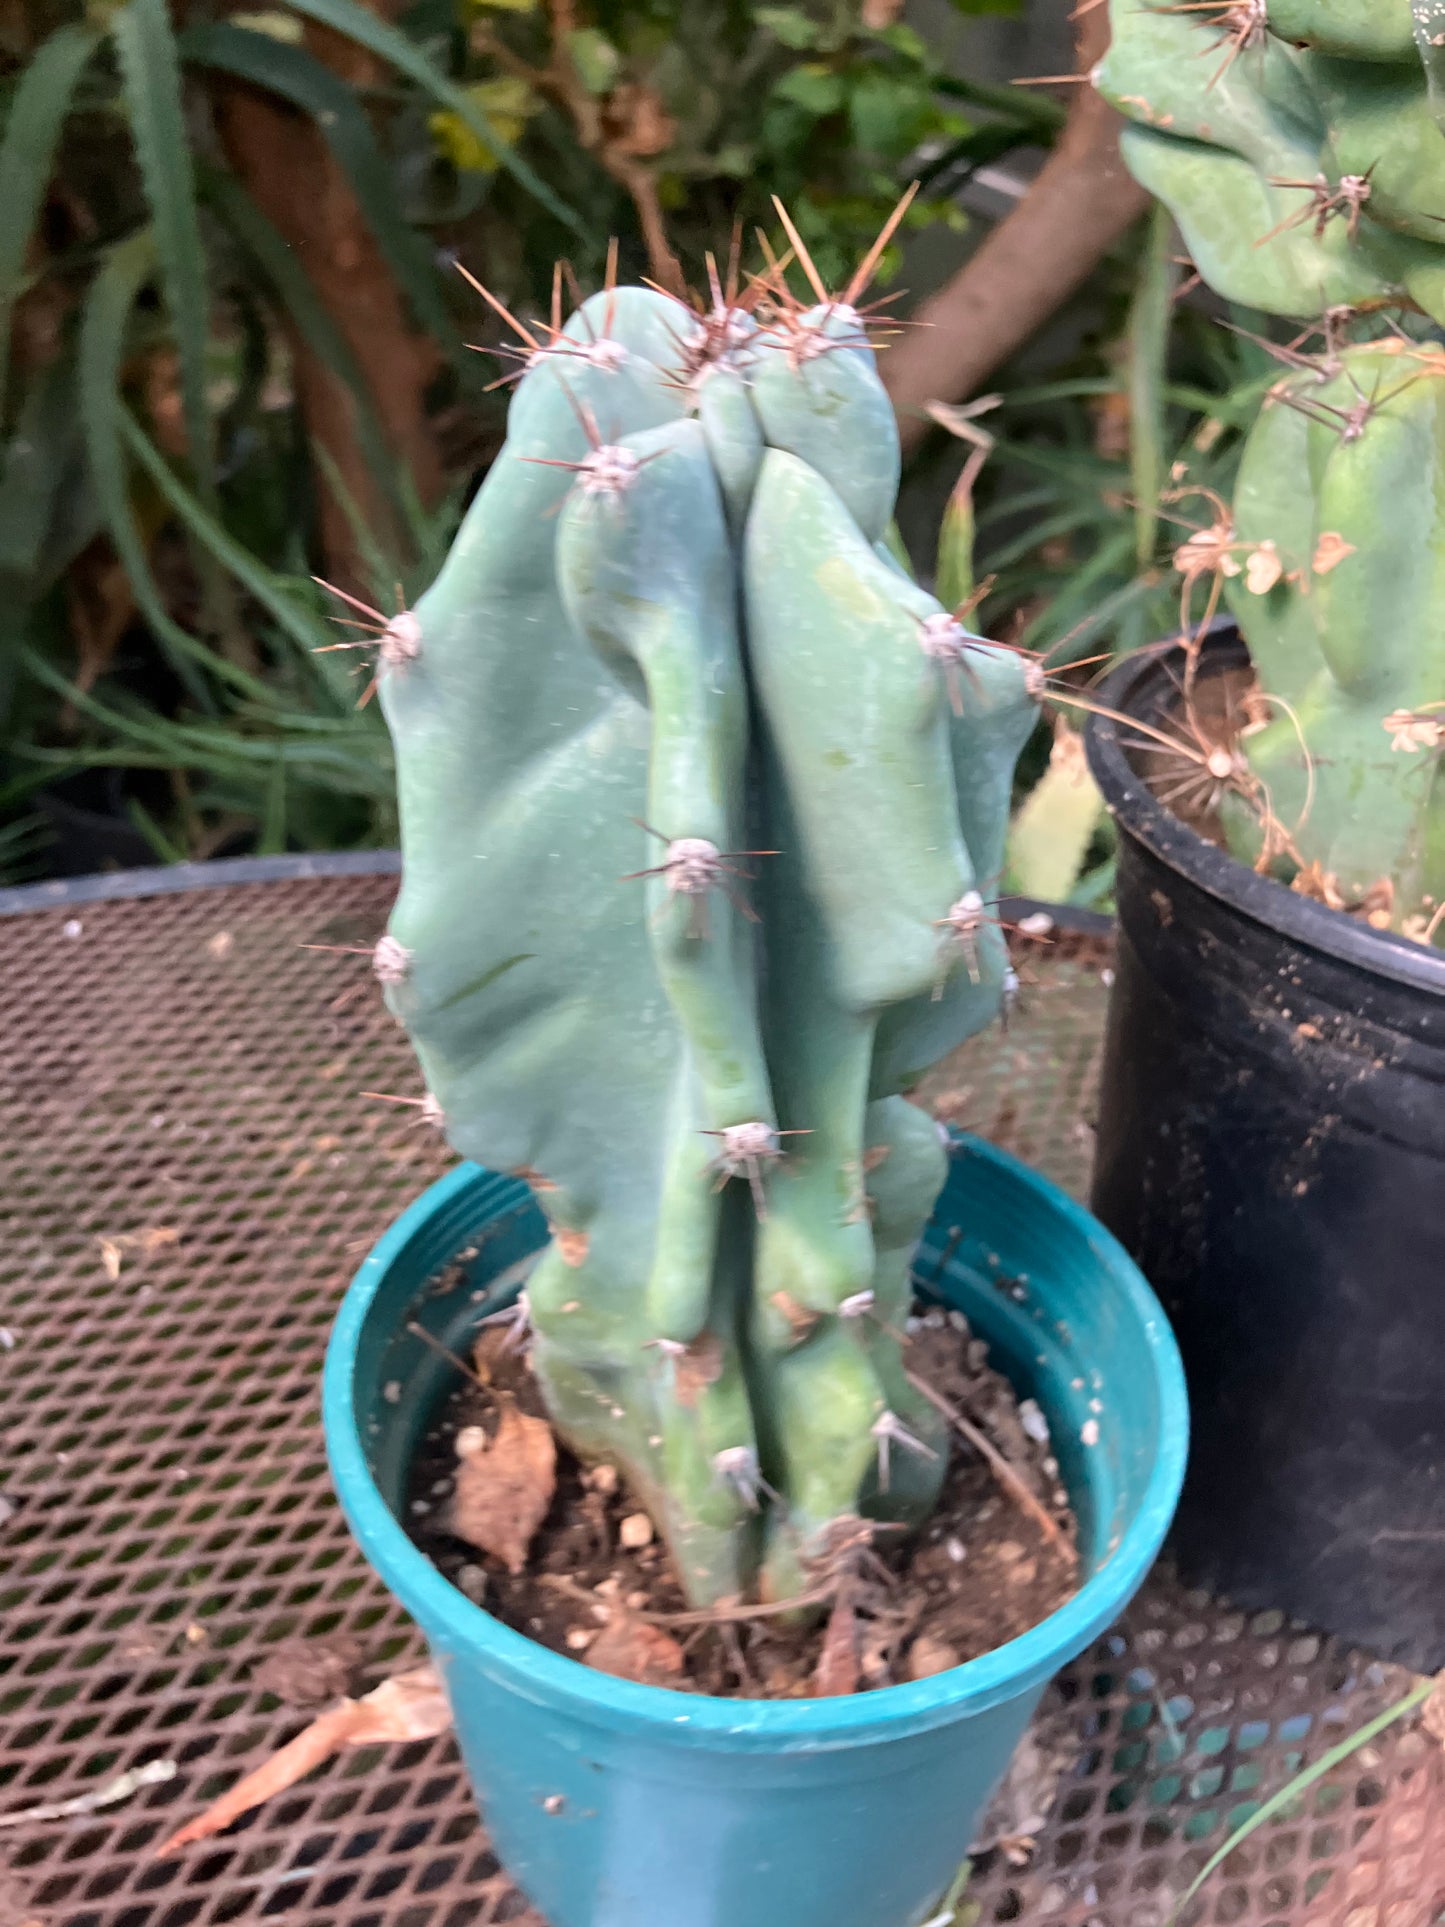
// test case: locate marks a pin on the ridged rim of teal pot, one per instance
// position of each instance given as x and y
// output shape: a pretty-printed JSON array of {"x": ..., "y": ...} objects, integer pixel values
[{"x": 536, "y": 1672}]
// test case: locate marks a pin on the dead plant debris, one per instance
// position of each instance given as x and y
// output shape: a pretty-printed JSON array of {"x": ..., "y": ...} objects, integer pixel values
[
  {"x": 585, "y": 1573},
  {"x": 409, "y": 1706},
  {"x": 310, "y": 1672},
  {"x": 629, "y": 1648},
  {"x": 504, "y": 1484},
  {"x": 154, "y": 1238}
]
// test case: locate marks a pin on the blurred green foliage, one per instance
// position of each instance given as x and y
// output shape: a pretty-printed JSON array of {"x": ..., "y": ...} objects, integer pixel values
[
  {"x": 1095, "y": 479},
  {"x": 160, "y": 489},
  {"x": 161, "y": 492}
]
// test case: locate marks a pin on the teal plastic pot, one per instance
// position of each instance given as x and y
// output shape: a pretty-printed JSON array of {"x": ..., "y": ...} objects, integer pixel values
[{"x": 618, "y": 1805}]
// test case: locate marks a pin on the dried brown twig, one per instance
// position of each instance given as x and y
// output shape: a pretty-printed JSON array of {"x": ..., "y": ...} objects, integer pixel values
[{"x": 1005, "y": 1474}]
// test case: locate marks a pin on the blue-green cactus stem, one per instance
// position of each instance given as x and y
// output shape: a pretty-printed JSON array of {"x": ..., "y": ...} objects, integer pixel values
[
  {"x": 1299, "y": 144},
  {"x": 691, "y": 791},
  {"x": 1345, "y": 475}
]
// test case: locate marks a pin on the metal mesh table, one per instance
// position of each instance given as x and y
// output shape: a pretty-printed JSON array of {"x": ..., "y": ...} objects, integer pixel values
[{"x": 190, "y": 1174}]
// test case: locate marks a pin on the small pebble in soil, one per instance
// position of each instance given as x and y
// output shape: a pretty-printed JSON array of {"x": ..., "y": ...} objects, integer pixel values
[
  {"x": 1033, "y": 1421},
  {"x": 635, "y": 1531},
  {"x": 928, "y": 1656}
]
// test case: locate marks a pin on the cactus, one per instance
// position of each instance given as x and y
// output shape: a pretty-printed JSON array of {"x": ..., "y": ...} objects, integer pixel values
[
  {"x": 701, "y": 798},
  {"x": 1298, "y": 143}
]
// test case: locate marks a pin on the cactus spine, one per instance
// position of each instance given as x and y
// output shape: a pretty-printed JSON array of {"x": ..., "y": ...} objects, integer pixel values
[
  {"x": 1299, "y": 145},
  {"x": 693, "y": 780}
]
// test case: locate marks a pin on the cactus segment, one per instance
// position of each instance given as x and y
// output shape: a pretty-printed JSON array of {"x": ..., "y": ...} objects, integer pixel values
[
  {"x": 684, "y": 809},
  {"x": 1349, "y": 642},
  {"x": 1299, "y": 144}
]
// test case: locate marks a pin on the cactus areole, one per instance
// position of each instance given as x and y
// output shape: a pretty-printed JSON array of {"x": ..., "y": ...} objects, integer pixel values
[
  {"x": 1299, "y": 144},
  {"x": 692, "y": 781}
]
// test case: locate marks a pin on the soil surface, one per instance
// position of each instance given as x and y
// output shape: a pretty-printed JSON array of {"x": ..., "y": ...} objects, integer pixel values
[{"x": 597, "y": 1585}]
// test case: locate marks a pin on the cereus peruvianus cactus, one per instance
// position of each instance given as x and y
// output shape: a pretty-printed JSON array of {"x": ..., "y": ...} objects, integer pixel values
[
  {"x": 701, "y": 801},
  {"x": 1299, "y": 145}
]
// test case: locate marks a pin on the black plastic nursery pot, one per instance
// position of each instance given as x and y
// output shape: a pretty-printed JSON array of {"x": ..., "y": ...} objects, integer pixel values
[{"x": 1271, "y": 1150}]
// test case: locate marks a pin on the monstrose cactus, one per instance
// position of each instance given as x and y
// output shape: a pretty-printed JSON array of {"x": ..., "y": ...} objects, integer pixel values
[
  {"x": 1299, "y": 145},
  {"x": 701, "y": 801}
]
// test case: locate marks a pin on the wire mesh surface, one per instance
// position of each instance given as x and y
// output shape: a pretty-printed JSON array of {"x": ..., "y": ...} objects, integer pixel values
[{"x": 191, "y": 1173}]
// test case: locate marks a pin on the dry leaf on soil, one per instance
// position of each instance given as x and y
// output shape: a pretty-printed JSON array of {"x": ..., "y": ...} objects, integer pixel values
[
  {"x": 631, "y": 1649},
  {"x": 493, "y": 1344},
  {"x": 504, "y": 1488},
  {"x": 410, "y": 1706}
]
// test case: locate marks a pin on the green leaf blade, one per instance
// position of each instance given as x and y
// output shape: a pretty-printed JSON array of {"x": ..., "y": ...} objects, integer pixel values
[
  {"x": 254, "y": 577},
  {"x": 127, "y": 268},
  {"x": 151, "y": 73},
  {"x": 298, "y": 77},
  {"x": 27, "y": 156},
  {"x": 388, "y": 43},
  {"x": 269, "y": 250},
  {"x": 1151, "y": 316}
]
